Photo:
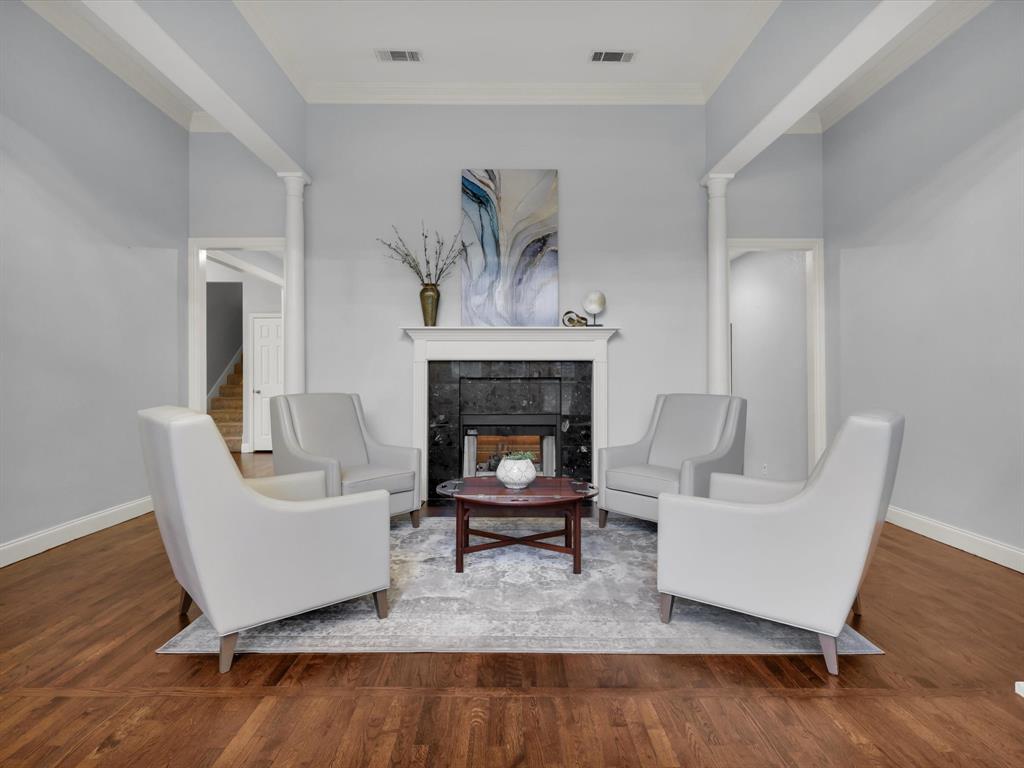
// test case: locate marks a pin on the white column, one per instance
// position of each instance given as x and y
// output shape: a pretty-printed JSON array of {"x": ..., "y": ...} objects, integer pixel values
[
  {"x": 294, "y": 309},
  {"x": 718, "y": 285}
]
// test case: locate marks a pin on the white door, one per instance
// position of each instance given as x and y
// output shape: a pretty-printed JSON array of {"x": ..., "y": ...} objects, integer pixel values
[{"x": 267, "y": 375}]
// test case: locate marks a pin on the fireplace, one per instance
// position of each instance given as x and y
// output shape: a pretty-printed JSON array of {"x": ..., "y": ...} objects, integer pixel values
[
  {"x": 576, "y": 357},
  {"x": 488, "y": 437},
  {"x": 481, "y": 410}
]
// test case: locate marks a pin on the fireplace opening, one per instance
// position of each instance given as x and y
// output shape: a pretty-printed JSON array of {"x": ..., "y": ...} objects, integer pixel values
[{"x": 488, "y": 437}]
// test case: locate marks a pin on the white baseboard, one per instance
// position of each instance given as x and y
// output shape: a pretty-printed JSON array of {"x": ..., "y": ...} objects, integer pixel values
[
  {"x": 34, "y": 543},
  {"x": 982, "y": 546}
]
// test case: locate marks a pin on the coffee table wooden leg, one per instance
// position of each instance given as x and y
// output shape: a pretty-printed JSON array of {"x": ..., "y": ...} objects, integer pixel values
[
  {"x": 568, "y": 528},
  {"x": 577, "y": 540},
  {"x": 460, "y": 524}
]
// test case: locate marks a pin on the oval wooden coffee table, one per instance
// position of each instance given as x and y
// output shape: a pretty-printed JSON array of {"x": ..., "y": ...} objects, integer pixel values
[{"x": 487, "y": 494}]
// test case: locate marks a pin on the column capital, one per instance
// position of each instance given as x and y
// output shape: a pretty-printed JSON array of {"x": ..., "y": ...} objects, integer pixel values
[
  {"x": 294, "y": 181},
  {"x": 716, "y": 182}
]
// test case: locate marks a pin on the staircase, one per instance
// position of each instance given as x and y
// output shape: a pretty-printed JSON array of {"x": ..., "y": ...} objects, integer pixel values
[{"x": 226, "y": 409}]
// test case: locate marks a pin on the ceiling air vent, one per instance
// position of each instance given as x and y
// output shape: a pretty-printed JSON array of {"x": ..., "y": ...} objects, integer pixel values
[
  {"x": 386, "y": 54},
  {"x": 619, "y": 57}
]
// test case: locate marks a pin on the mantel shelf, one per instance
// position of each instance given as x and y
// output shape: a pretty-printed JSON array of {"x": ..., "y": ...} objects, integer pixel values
[{"x": 510, "y": 333}]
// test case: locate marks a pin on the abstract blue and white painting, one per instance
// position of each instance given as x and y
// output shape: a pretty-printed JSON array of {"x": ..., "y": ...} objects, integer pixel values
[{"x": 510, "y": 270}]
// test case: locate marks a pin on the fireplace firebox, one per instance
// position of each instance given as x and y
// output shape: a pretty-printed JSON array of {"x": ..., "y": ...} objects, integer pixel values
[{"x": 488, "y": 437}]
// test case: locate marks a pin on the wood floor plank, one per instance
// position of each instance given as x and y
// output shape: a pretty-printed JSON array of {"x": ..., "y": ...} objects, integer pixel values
[{"x": 80, "y": 684}]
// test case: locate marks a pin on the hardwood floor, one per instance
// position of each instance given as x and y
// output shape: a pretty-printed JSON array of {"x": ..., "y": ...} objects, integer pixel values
[{"x": 81, "y": 685}]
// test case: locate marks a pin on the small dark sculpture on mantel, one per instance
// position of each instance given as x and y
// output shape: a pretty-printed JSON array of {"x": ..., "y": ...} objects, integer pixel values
[{"x": 574, "y": 320}]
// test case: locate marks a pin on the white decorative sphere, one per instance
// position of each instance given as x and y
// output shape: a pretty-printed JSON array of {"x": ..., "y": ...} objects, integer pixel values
[
  {"x": 516, "y": 474},
  {"x": 594, "y": 303}
]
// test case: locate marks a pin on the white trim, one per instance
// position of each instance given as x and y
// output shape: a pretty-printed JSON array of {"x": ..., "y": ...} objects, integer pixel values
[
  {"x": 76, "y": 22},
  {"x": 139, "y": 30},
  {"x": 996, "y": 551},
  {"x": 197, "y": 247},
  {"x": 508, "y": 343},
  {"x": 201, "y": 122},
  {"x": 817, "y": 401},
  {"x": 248, "y": 405},
  {"x": 241, "y": 265},
  {"x": 942, "y": 20},
  {"x": 34, "y": 543},
  {"x": 505, "y": 93},
  {"x": 224, "y": 374},
  {"x": 809, "y": 123},
  {"x": 882, "y": 24}
]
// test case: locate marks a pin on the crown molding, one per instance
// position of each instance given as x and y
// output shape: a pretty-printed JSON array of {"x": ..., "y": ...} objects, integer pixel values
[
  {"x": 76, "y": 23},
  {"x": 505, "y": 93},
  {"x": 942, "y": 20}
]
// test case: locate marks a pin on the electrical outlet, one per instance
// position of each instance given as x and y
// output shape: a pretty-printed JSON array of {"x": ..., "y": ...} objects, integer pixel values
[{"x": 764, "y": 470}]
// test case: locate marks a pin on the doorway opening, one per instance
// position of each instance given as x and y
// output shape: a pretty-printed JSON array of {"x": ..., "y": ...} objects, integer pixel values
[
  {"x": 236, "y": 339},
  {"x": 776, "y": 352}
]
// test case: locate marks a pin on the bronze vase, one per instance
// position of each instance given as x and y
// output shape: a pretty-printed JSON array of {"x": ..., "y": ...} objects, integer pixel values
[{"x": 430, "y": 297}]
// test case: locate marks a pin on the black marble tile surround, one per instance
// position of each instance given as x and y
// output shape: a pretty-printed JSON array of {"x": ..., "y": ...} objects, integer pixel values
[{"x": 507, "y": 387}]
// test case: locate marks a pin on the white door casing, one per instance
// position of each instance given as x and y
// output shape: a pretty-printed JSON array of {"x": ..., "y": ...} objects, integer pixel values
[{"x": 267, "y": 380}]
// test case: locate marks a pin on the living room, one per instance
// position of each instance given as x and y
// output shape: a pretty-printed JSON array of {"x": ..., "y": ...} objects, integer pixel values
[{"x": 705, "y": 448}]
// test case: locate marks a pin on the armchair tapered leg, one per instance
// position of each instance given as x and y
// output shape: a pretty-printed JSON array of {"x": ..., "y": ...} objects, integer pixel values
[
  {"x": 380, "y": 601},
  {"x": 667, "y": 601},
  {"x": 602, "y": 518},
  {"x": 831, "y": 652},
  {"x": 856, "y": 605},
  {"x": 415, "y": 515},
  {"x": 227, "y": 651},
  {"x": 186, "y": 602}
]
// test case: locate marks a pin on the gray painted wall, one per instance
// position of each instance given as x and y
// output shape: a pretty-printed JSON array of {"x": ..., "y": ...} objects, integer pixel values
[
  {"x": 223, "y": 328},
  {"x": 221, "y": 41},
  {"x": 792, "y": 42},
  {"x": 779, "y": 193},
  {"x": 768, "y": 310},
  {"x": 93, "y": 214},
  {"x": 924, "y": 234},
  {"x": 632, "y": 223},
  {"x": 230, "y": 191}
]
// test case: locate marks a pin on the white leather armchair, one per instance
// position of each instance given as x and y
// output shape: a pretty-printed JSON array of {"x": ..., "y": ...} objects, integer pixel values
[
  {"x": 249, "y": 553},
  {"x": 328, "y": 432},
  {"x": 690, "y": 436},
  {"x": 788, "y": 552}
]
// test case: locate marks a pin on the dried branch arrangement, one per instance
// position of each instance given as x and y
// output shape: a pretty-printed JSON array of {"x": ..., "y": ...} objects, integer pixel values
[{"x": 439, "y": 258}]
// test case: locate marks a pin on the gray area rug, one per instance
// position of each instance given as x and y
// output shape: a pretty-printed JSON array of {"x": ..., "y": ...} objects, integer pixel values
[{"x": 521, "y": 600}]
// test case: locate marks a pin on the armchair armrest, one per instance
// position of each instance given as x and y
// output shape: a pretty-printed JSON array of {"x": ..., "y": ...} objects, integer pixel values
[
  {"x": 301, "y": 486},
  {"x": 768, "y": 560},
  {"x": 623, "y": 455},
  {"x": 392, "y": 455},
  {"x": 265, "y": 558},
  {"x": 291, "y": 459},
  {"x": 754, "y": 490},
  {"x": 695, "y": 474}
]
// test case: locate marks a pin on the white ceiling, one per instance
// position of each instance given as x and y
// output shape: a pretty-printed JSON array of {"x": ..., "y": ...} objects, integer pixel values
[
  {"x": 507, "y": 50},
  {"x": 473, "y": 54}
]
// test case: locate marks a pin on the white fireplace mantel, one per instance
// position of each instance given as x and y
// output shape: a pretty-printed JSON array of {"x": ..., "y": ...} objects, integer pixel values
[{"x": 512, "y": 343}]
